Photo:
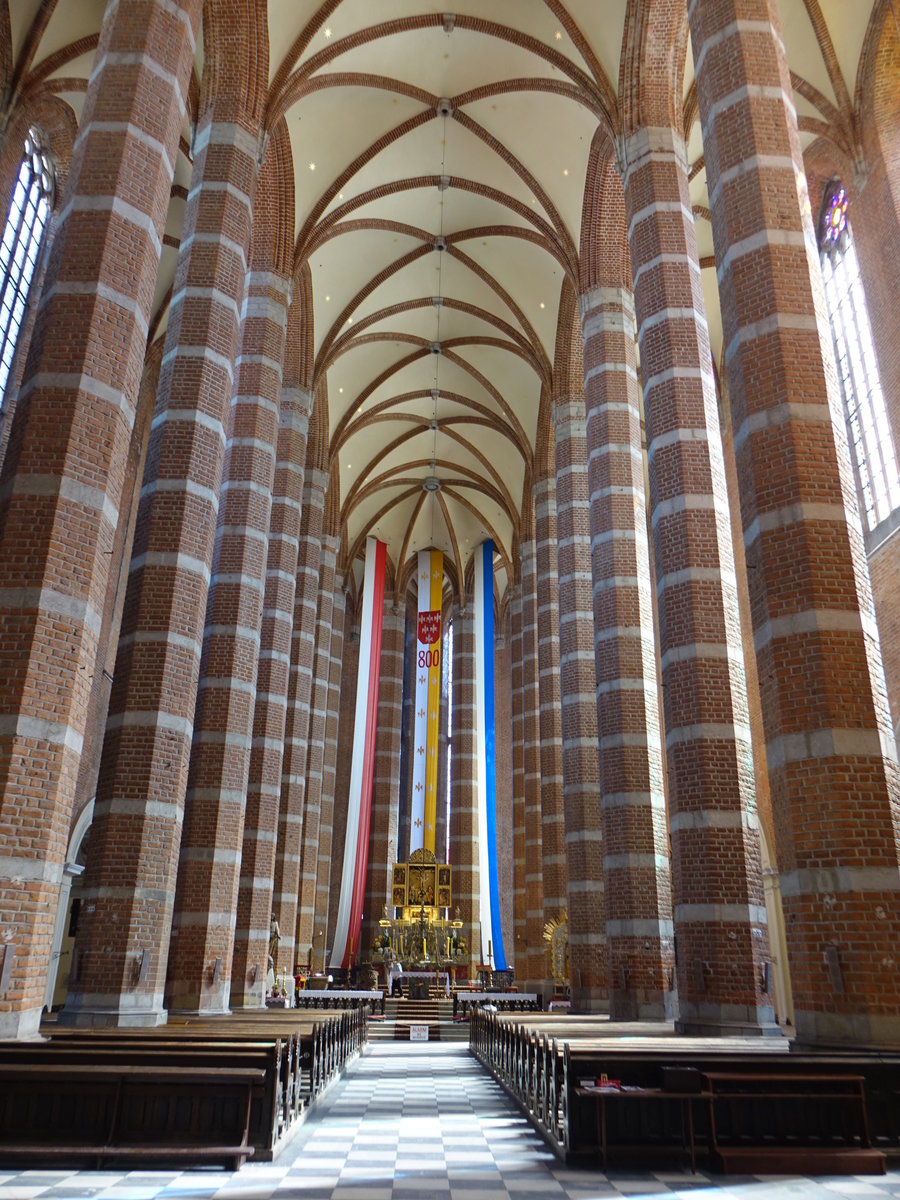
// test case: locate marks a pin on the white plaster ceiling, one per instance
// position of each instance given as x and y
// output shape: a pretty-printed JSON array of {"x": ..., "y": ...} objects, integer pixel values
[{"x": 500, "y": 292}]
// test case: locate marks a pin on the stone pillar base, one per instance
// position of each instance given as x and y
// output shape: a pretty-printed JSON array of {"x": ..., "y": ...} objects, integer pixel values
[
  {"x": 711, "y": 1020},
  {"x": 254, "y": 997},
  {"x": 858, "y": 1031},
  {"x": 638, "y": 1006},
  {"x": 215, "y": 1005},
  {"x": 108, "y": 1018},
  {"x": 22, "y": 1024},
  {"x": 589, "y": 1000}
]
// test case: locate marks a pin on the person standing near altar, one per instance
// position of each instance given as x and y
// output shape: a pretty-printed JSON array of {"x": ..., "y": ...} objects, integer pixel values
[{"x": 395, "y": 975}]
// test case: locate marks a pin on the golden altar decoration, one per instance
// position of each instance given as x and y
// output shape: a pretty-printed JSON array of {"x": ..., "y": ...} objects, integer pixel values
[
  {"x": 420, "y": 931},
  {"x": 556, "y": 935}
]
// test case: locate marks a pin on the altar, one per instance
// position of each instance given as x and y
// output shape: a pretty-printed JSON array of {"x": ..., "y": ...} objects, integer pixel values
[
  {"x": 419, "y": 931},
  {"x": 440, "y": 978}
]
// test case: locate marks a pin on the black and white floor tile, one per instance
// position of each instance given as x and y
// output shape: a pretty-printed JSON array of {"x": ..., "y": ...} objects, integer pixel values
[{"x": 409, "y": 1121}]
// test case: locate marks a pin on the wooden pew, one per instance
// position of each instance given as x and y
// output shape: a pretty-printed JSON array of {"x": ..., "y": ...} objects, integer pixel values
[
  {"x": 301, "y": 1053},
  {"x": 183, "y": 1059},
  {"x": 98, "y": 1112},
  {"x": 755, "y": 1103},
  {"x": 542, "y": 1063}
]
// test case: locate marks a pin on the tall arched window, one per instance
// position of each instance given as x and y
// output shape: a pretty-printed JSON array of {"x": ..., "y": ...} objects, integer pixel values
[
  {"x": 870, "y": 434},
  {"x": 31, "y": 206}
]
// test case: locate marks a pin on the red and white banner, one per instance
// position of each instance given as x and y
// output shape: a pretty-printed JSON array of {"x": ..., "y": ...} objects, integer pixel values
[{"x": 362, "y": 767}]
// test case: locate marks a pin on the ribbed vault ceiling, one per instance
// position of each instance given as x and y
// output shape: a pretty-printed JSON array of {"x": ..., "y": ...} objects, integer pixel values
[{"x": 438, "y": 236}]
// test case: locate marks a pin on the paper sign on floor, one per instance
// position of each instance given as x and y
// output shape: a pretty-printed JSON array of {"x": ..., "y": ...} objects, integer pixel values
[{"x": 418, "y": 1033}]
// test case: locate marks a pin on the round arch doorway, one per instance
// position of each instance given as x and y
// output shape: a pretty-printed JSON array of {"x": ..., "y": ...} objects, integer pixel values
[{"x": 67, "y": 913}]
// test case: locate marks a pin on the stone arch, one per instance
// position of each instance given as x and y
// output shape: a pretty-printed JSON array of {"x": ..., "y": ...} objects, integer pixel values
[
  {"x": 235, "y": 57},
  {"x": 568, "y": 358},
  {"x": 605, "y": 258},
  {"x": 651, "y": 71},
  {"x": 61, "y": 962},
  {"x": 780, "y": 985},
  {"x": 271, "y": 245},
  {"x": 878, "y": 86}
]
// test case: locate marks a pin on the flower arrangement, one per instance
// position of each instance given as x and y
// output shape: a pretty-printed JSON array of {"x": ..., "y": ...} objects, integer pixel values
[
  {"x": 460, "y": 946},
  {"x": 382, "y": 943}
]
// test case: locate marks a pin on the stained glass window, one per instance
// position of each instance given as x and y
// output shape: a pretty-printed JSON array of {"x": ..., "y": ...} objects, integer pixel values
[
  {"x": 867, "y": 422},
  {"x": 31, "y": 206}
]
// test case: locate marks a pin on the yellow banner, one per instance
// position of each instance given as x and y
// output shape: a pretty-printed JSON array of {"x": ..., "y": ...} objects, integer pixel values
[
  {"x": 428, "y": 700},
  {"x": 434, "y": 702}
]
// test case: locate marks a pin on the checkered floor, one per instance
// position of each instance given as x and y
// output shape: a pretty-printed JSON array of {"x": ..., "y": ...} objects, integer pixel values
[{"x": 410, "y": 1121}]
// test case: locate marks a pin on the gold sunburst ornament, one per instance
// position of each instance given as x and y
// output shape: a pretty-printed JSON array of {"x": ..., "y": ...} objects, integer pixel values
[{"x": 556, "y": 935}]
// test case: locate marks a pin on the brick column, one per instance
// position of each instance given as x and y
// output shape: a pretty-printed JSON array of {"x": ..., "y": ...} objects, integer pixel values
[
  {"x": 636, "y": 875},
  {"x": 254, "y": 904},
  {"x": 203, "y": 926},
  {"x": 130, "y": 878},
  {"x": 312, "y": 807},
  {"x": 826, "y": 722},
  {"x": 68, "y": 451},
  {"x": 333, "y": 817},
  {"x": 296, "y": 729},
  {"x": 386, "y": 787},
  {"x": 517, "y": 952},
  {"x": 720, "y": 919},
  {"x": 581, "y": 754},
  {"x": 534, "y": 969},
  {"x": 463, "y": 781},
  {"x": 553, "y": 824}
]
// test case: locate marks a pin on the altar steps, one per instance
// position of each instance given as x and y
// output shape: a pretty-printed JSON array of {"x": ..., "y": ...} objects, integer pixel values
[{"x": 400, "y": 1015}]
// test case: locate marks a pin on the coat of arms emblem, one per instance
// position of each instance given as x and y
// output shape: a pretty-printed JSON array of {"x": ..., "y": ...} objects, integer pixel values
[{"x": 429, "y": 628}]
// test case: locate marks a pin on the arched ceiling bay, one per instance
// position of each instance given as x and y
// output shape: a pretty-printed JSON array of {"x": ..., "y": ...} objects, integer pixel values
[
  {"x": 437, "y": 235},
  {"x": 440, "y": 187}
]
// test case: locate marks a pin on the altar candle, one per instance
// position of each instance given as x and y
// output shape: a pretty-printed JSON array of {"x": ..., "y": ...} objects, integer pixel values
[{"x": 424, "y": 949}]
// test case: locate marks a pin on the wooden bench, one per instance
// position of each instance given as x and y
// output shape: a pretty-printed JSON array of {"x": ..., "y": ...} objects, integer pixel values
[
  {"x": 98, "y": 1112},
  {"x": 326, "y": 1041},
  {"x": 795, "y": 1134},
  {"x": 274, "y": 1101},
  {"x": 303, "y": 1054},
  {"x": 541, "y": 1059},
  {"x": 756, "y": 1113},
  {"x": 601, "y": 1096}
]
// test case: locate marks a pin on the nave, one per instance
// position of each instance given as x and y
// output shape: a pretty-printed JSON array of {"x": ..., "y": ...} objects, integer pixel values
[{"x": 409, "y": 1121}]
